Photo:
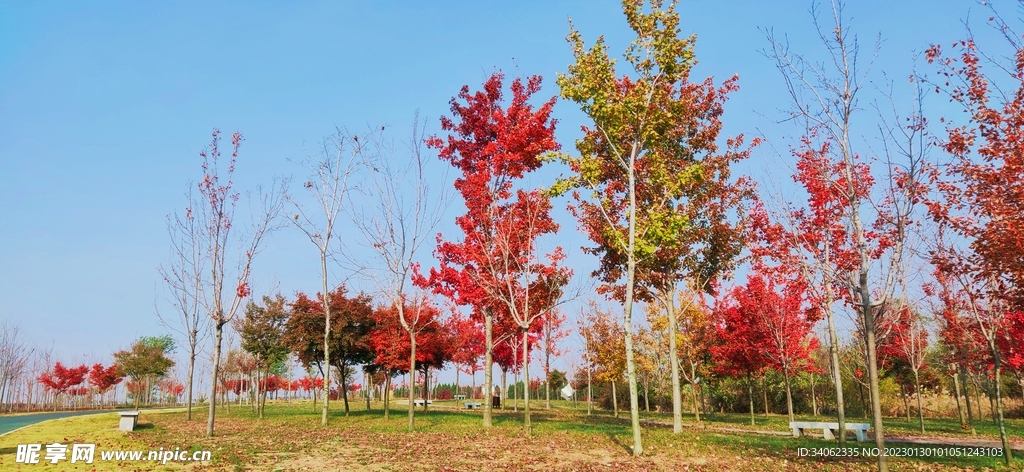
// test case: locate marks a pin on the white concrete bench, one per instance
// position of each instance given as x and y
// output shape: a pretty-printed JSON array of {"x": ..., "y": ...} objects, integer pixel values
[
  {"x": 129, "y": 420},
  {"x": 460, "y": 397},
  {"x": 472, "y": 405},
  {"x": 419, "y": 402},
  {"x": 861, "y": 429}
]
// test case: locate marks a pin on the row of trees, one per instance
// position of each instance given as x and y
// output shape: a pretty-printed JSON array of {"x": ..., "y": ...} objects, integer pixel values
[
  {"x": 652, "y": 187},
  {"x": 33, "y": 379},
  {"x": 364, "y": 338},
  {"x": 497, "y": 268},
  {"x": 651, "y": 163}
]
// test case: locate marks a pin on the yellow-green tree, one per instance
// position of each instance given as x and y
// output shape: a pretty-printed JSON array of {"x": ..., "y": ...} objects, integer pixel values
[{"x": 662, "y": 205}]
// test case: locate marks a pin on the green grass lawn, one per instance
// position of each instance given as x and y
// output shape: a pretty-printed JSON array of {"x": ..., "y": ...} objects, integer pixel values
[{"x": 290, "y": 437}]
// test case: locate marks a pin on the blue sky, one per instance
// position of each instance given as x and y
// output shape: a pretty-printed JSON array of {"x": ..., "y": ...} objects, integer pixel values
[{"x": 104, "y": 107}]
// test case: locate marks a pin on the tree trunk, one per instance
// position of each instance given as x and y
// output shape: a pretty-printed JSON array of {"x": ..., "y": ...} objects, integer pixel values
[
  {"x": 863, "y": 402},
  {"x": 488, "y": 363},
  {"x": 956, "y": 394},
  {"x": 503, "y": 393},
  {"x": 668, "y": 298},
  {"x": 906, "y": 401},
  {"x": 266, "y": 386},
  {"x": 693, "y": 390},
  {"x": 869, "y": 334},
  {"x": 833, "y": 348},
  {"x": 814, "y": 397},
  {"x": 547, "y": 363},
  {"x": 615, "y": 401},
  {"x": 426, "y": 389},
  {"x": 343, "y": 374},
  {"x": 1007, "y": 451},
  {"x": 256, "y": 389},
  {"x": 515, "y": 391},
  {"x": 764, "y": 391},
  {"x": 457, "y": 387},
  {"x": 218, "y": 335},
  {"x": 412, "y": 375},
  {"x": 1020, "y": 381},
  {"x": 977, "y": 395},
  {"x": 634, "y": 406},
  {"x": 967, "y": 400},
  {"x": 590, "y": 391},
  {"x": 387, "y": 396},
  {"x": 526, "y": 376},
  {"x": 837, "y": 377},
  {"x": 327, "y": 338},
  {"x": 750, "y": 394},
  {"x": 191, "y": 374},
  {"x": 789, "y": 394},
  {"x": 917, "y": 393},
  {"x": 647, "y": 394},
  {"x": 991, "y": 406}
]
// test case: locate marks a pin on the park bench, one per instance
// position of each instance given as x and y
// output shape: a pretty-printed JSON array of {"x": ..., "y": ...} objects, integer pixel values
[
  {"x": 861, "y": 429},
  {"x": 460, "y": 397},
  {"x": 129, "y": 420},
  {"x": 472, "y": 405},
  {"x": 419, "y": 402}
]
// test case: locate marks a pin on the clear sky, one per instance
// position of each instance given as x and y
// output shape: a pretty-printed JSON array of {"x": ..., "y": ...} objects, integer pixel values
[{"x": 104, "y": 107}]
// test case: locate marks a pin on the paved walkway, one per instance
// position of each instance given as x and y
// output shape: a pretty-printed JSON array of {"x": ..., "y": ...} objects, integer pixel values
[{"x": 13, "y": 422}]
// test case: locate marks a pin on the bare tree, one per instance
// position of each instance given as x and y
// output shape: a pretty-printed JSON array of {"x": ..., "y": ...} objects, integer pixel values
[
  {"x": 215, "y": 215},
  {"x": 14, "y": 354},
  {"x": 399, "y": 215},
  {"x": 184, "y": 279},
  {"x": 339, "y": 158},
  {"x": 825, "y": 95}
]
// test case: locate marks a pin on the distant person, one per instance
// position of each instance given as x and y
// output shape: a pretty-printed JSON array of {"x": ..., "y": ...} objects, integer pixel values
[{"x": 496, "y": 398}]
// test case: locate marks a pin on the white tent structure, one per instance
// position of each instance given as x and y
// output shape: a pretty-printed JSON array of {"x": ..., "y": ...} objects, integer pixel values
[{"x": 567, "y": 392}]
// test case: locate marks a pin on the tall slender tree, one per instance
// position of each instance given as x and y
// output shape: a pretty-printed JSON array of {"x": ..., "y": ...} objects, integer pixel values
[
  {"x": 215, "y": 212},
  {"x": 185, "y": 278},
  {"x": 493, "y": 146},
  {"x": 872, "y": 221},
  {"x": 400, "y": 214},
  {"x": 554, "y": 331},
  {"x": 661, "y": 196},
  {"x": 339, "y": 158},
  {"x": 982, "y": 190}
]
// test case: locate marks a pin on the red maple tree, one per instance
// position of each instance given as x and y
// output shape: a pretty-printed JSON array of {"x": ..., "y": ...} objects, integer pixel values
[
  {"x": 103, "y": 378},
  {"x": 982, "y": 193},
  {"x": 392, "y": 344},
  {"x": 494, "y": 269},
  {"x": 780, "y": 322},
  {"x": 467, "y": 347},
  {"x": 738, "y": 353},
  {"x": 62, "y": 379}
]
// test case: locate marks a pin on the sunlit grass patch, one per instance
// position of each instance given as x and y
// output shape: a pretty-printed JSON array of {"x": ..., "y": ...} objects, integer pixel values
[{"x": 290, "y": 437}]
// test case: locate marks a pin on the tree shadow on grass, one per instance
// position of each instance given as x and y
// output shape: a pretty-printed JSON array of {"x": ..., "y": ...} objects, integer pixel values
[{"x": 614, "y": 438}]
